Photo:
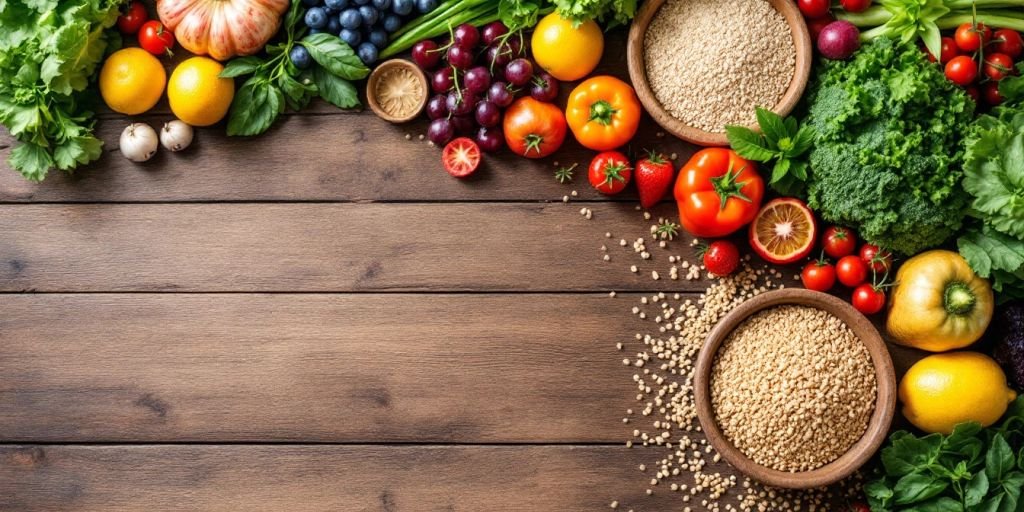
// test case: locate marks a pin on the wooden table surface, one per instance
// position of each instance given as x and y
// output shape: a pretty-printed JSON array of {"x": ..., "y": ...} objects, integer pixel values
[{"x": 321, "y": 319}]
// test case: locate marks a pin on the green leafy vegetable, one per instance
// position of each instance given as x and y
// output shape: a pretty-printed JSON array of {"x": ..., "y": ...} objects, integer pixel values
[
  {"x": 887, "y": 155},
  {"x": 277, "y": 84},
  {"x": 49, "y": 52},
  {"x": 780, "y": 141},
  {"x": 611, "y": 12},
  {"x": 971, "y": 470}
]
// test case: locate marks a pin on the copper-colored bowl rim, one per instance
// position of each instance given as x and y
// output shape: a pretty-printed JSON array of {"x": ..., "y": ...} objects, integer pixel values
[{"x": 371, "y": 84}]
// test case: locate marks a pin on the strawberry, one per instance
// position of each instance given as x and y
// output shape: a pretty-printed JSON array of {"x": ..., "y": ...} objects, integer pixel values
[
  {"x": 654, "y": 176},
  {"x": 720, "y": 258}
]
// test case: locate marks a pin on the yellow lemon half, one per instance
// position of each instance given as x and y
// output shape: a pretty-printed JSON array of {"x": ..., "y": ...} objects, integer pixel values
[
  {"x": 197, "y": 95},
  {"x": 942, "y": 390},
  {"x": 568, "y": 53},
  {"x": 132, "y": 81}
]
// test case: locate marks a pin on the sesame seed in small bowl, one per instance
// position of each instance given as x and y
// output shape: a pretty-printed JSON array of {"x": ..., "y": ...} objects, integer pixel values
[
  {"x": 795, "y": 389},
  {"x": 701, "y": 65}
]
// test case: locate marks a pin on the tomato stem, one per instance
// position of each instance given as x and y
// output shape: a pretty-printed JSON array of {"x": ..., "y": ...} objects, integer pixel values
[
  {"x": 613, "y": 172},
  {"x": 533, "y": 142},
  {"x": 602, "y": 112},
  {"x": 727, "y": 187}
]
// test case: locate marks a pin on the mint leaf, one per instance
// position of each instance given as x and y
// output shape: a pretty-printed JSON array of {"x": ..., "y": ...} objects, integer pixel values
[
  {"x": 333, "y": 54},
  {"x": 338, "y": 92},
  {"x": 802, "y": 141},
  {"x": 772, "y": 125},
  {"x": 241, "y": 66},
  {"x": 749, "y": 144},
  {"x": 780, "y": 171}
]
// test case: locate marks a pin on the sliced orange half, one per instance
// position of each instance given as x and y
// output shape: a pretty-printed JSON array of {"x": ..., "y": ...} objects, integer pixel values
[{"x": 784, "y": 231}]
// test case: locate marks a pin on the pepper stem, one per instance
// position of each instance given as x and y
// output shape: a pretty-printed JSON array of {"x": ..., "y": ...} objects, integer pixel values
[
  {"x": 602, "y": 112},
  {"x": 958, "y": 299}
]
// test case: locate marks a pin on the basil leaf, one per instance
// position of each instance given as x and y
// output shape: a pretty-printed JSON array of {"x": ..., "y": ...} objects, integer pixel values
[
  {"x": 242, "y": 66},
  {"x": 333, "y": 54},
  {"x": 943, "y": 504},
  {"x": 255, "y": 108},
  {"x": 748, "y": 144},
  {"x": 338, "y": 92},
  {"x": 915, "y": 488},
  {"x": 772, "y": 125},
  {"x": 780, "y": 171},
  {"x": 999, "y": 459},
  {"x": 802, "y": 141},
  {"x": 977, "y": 488}
]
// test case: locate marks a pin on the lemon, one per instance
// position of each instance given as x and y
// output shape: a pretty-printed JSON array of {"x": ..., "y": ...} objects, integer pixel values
[
  {"x": 568, "y": 53},
  {"x": 132, "y": 81},
  {"x": 942, "y": 390},
  {"x": 197, "y": 95}
]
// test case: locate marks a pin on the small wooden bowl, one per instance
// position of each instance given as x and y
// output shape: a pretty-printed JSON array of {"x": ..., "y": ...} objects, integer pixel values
[
  {"x": 638, "y": 72},
  {"x": 379, "y": 73},
  {"x": 878, "y": 425}
]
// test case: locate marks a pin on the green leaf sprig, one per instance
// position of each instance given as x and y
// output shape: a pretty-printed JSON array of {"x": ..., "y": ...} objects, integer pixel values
[
  {"x": 780, "y": 141},
  {"x": 276, "y": 83}
]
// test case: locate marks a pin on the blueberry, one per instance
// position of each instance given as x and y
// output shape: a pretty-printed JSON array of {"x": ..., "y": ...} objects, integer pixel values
[
  {"x": 351, "y": 37},
  {"x": 361, "y": 2},
  {"x": 367, "y": 53},
  {"x": 403, "y": 7},
  {"x": 316, "y": 18},
  {"x": 311, "y": 3},
  {"x": 392, "y": 23},
  {"x": 369, "y": 15},
  {"x": 379, "y": 38},
  {"x": 425, "y": 6},
  {"x": 333, "y": 25},
  {"x": 300, "y": 56},
  {"x": 350, "y": 19},
  {"x": 382, "y": 5},
  {"x": 337, "y": 5}
]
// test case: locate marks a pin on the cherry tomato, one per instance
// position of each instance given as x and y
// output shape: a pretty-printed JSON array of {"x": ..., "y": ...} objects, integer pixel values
[
  {"x": 868, "y": 299},
  {"x": 1009, "y": 42},
  {"x": 990, "y": 91},
  {"x": 816, "y": 25},
  {"x": 134, "y": 16},
  {"x": 155, "y": 38},
  {"x": 819, "y": 276},
  {"x": 839, "y": 241},
  {"x": 971, "y": 38},
  {"x": 998, "y": 65},
  {"x": 721, "y": 258},
  {"x": 813, "y": 9},
  {"x": 973, "y": 92},
  {"x": 461, "y": 157},
  {"x": 851, "y": 270},
  {"x": 859, "y": 506},
  {"x": 962, "y": 70},
  {"x": 877, "y": 259},
  {"x": 534, "y": 129},
  {"x": 855, "y": 5},
  {"x": 949, "y": 50},
  {"x": 610, "y": 172}
]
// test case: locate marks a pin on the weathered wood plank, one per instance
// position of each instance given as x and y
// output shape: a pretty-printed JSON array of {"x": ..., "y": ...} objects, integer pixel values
[
  {"x": 327, "y": 247},
  {"x": 328, "y": 478}
]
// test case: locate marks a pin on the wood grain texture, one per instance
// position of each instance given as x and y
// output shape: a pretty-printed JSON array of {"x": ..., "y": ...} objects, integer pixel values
[
  {"x": 327, "y": 478},
  {"x": 327, "y": 247}
]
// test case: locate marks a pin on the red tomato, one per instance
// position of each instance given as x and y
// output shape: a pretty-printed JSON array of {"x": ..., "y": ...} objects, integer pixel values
[
  {"x": 134, "y": 16},
  {"x": 839, "y": 241},
  {"x": 155, "y": 38},
  {"x": 949, "y": 50},
  {"x": 962, "y": 70},
  {"x": 461, "y": 157},
  {"x": 859, "y": 506},
  {"x": 610, "y": 172},
  {"x": 534, "y": 129},
  {"x": 971, "y": 38},
  {"x": 991, "y": 93},
  {"x": 877, "y": 259},
  {"x": 813, "y": 9},
  {"x": 851, "y": 270},
  {"x": 816, "y": 25},
  {"x": 855, "y": 5},
  {"x": 973, "y": 92},
  {"x": 868, "y": 299},
  {"x": 718, "y": 192},
  {"x": 721, "y": 258},
  {"x": 998, "y": 65},
  {"x": 1009, "y": 42},
  {"x": 819, "y": 276}
]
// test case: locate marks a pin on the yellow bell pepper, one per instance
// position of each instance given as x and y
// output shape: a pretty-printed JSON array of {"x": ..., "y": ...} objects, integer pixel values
[{"x": 938, "y": 303}]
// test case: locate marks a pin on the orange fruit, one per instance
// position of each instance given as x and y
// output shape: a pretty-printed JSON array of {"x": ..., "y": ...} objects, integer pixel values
[
  {"x": 784, "y": 231},
  {"x": 196, "y": 92},
  {"x": 132, "y": 81}
]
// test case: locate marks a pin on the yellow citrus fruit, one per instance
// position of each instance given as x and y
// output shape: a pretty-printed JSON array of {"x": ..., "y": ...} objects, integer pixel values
[
  {"x": 197, "y": 95},
  {"x": 132, "y": 81},
  {"x": 942, "y": 390},
  {"x": 568, "y": 53}
]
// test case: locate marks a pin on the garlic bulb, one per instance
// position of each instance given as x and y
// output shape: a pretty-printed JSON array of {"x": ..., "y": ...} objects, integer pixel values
[
  {"x": 176, "y": 135},
  {"x": 138, "y": 142}
]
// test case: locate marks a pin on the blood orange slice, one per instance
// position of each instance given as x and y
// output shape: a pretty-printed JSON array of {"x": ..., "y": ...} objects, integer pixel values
[{"x": 784, "y": 231}]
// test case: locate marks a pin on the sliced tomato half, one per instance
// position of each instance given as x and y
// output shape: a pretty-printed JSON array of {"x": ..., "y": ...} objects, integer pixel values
[
  {"x": 784, "y": 231},
  {"x": 461, "y": 157}
]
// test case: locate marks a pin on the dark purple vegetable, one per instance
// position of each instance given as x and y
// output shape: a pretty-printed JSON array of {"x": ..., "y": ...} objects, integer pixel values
[
  {"x": 437, "y": 107},
  {"x": 544, "y": 87},
  {"x": 490, "y": 139},
  {"x": 839, "y": 40},
  {"x": 1008, "y": 332},
  {"x": 440, "y": 131}
]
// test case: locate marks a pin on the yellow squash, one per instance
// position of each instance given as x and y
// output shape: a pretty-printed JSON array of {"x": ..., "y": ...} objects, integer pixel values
[{"x": 938, "y": 303}]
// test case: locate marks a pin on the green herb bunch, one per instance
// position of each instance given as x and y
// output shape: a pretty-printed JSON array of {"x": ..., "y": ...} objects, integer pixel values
[
  {"x": 971, "y": 470},
  {"x": 49, "y": 52},
  {"x": 780, "y": 141},
  {"x": 276, "y": 83}
]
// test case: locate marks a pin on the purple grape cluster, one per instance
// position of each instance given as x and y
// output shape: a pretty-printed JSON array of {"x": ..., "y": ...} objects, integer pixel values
[{"x": 474, "y": 76}]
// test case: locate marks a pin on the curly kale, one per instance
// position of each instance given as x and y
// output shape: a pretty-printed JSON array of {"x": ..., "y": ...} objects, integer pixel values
[{"x": 888, "y": 155}]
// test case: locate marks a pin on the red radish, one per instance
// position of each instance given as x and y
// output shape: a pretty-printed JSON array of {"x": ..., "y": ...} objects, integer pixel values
[{"x": 838, "y": 40}]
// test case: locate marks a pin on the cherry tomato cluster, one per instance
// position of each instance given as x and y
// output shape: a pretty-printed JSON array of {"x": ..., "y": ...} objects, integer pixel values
[
  {"x": 977, "y": 58},
  {"x": 852, "y": 269},
  {"x": 153, "y": 36}
]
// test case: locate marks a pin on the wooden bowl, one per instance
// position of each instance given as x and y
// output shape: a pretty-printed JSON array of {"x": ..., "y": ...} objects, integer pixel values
[
  {"x": 379, "y": 73},
  {"x": 638, "y": 72},
  {"x": 878, "y": 425}
]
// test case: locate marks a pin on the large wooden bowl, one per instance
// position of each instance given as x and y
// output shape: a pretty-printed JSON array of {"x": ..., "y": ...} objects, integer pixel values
[
  {"x": 881, "y": 418},
  {"x": 638, "y": 72}
]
